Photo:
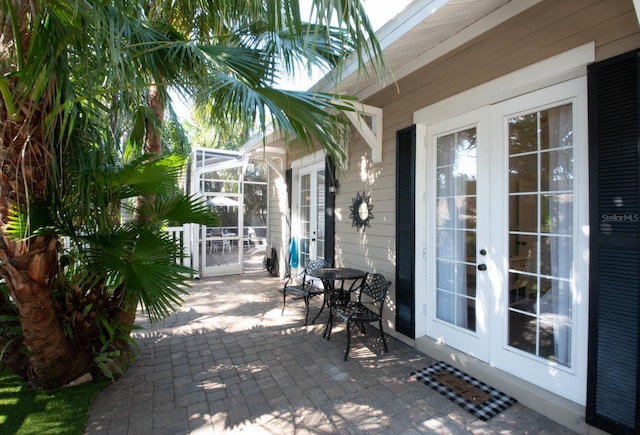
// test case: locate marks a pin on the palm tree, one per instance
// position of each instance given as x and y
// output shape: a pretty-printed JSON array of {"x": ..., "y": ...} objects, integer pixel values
[
  {"x": 228, "y": 55},
  {"x": 84, "y": 89}
]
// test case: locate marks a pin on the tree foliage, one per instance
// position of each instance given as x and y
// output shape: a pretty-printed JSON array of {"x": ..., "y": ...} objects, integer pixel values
[{"x": 84, "y": 97}]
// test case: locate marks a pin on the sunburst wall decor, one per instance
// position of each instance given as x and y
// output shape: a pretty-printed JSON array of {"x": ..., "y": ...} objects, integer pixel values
[{"x": 361, "y": 211}]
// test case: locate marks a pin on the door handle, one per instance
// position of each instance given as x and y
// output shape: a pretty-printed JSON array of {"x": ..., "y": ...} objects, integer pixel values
[{"x": 482, "y": 266}]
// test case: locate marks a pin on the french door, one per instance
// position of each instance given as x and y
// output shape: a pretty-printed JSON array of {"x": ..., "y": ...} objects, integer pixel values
[
  {"x": 506, "y": 226},
  {"x": 460, "y": 238},
  {"x": 311, "y": 213}
]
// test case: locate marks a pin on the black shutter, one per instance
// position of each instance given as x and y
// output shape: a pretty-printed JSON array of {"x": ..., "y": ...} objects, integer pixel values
[
  {"x": 405, "y": 230},
  {"x": 331, "y": 183},
  {"x": 288, "y": 179},
  {"x": 612, "y": 402}
]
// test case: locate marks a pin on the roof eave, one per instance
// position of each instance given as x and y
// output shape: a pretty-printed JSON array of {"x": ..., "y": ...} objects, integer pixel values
[
  {"x": 423, "y": 32},
  {"x": 423, "y": 21}
]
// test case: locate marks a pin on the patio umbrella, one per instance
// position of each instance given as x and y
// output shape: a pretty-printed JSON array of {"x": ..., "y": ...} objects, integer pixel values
[{"x": 223, "y": 201}]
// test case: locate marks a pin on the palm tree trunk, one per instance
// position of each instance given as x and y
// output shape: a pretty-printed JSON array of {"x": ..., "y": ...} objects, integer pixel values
[
  {"x": 126, "y": 310},
  {"x": 29, "y": 270},
  {"x": 153, "y": 139}
]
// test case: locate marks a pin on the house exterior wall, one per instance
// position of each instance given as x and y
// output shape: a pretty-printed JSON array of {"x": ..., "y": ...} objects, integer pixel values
[
  {"x": 278, "y": 230},
  {"x": 547, "y": 29}
]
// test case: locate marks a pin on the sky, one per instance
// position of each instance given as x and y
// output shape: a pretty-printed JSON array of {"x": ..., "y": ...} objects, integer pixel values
[{"x": 381, "y": 11}]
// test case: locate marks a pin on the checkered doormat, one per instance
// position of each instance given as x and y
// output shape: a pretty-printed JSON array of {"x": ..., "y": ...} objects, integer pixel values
[{"x": 493, "y": 401}]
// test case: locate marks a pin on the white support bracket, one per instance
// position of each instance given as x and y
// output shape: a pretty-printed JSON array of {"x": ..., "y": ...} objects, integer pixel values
[
  {"x": 371, "y": 135},
  {"x": 275, "y": 165},
  {"x": 636, "y": 6},
  {"x": 272, "y": 155}
]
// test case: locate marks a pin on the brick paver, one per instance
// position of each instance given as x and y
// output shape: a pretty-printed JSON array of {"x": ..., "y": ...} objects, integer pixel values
[{"x": 229, "y": 362}]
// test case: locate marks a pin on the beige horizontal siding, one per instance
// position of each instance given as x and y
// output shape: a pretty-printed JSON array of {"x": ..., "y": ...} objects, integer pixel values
[
  {"x": 550, "y": 28},
  {"x": 547, "y": 29},
  {"x": 278, "y": 233}
]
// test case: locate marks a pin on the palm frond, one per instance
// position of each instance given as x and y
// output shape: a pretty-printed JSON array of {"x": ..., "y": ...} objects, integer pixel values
[
  {"x": 145, "y": 175},
  {"x": 25, "y": 222},
  {"x": 250, "y": 65},
  {"x": 351, "y": 16},
  {"x": 178, "y": 209},
  {"x": 147, "y": 270},
  {"x": 306, "y": 116}
]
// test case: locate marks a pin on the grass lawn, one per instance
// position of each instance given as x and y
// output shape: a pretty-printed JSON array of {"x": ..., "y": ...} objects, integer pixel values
[{"x": 25, "y": 410}]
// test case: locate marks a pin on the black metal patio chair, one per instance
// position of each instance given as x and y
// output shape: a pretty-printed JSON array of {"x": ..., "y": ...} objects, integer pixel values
[
  {"x": 364, "y": 310},
  {"x": 303, "y": 285}
]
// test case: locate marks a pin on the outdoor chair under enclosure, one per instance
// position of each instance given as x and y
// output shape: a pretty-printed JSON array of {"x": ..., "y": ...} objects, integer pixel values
[
  {"x": 303, "y": 285},
  {"x": 367, "y": 309}
]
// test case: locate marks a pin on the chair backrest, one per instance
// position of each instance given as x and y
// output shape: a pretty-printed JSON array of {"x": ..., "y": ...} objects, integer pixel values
[
  {"x": 215, "y": 232},
  {"x": 318, "y": 263},
  {"x": 375, "y": 286}
]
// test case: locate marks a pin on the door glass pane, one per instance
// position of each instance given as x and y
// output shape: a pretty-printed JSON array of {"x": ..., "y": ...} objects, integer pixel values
[
  {"x": 523, "y": 173},
  {"x": 523, "y": 210},
  {"x": 312, "y": 216},
  {"x": 456, "y": 222},
  {"x": 256, "y": 192},
  {"x": 222, "y": 180},
  {"x": 541, "y": 233},
  {"x": 222, "y": 242},
  {"x": 320, "y": 195},
  {"x": 305, "y": 219},
  {"x": 556, "y": 170}
]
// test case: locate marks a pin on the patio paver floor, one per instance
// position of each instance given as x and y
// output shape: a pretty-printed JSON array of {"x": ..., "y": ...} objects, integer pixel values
[{"x": 229, "y": 362}]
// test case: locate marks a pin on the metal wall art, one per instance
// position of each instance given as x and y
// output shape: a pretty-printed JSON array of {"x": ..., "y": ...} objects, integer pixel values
[{"x": 361, "y": 211}]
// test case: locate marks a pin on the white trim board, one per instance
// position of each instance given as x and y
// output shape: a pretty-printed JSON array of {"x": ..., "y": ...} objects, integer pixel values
[{"x": 562, "y": 67}]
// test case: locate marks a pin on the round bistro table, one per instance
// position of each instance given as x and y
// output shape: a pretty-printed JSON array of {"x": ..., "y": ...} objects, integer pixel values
[{"x": 330, "y": 275}]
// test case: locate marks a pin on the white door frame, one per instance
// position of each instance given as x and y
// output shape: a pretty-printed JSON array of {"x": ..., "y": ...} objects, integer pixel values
[
  {"x": 569, "y": 382},
  {"x": 304, "y": 166},
  {"x": 558, "y": 69},
  {"x": 475, "y": 342},
  {"x": 232, "y": 241}
]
